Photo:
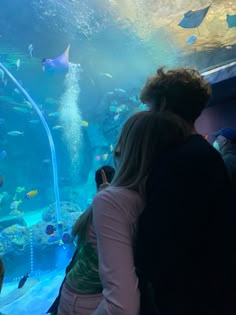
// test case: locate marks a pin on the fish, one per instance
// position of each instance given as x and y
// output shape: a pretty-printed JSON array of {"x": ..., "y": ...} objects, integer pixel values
[
  {"x": 34, "y": 121},
  {"x": 50, "y": 101},
  {"x": 17, "y": 64},
  {"x": 3, "y": 154},
  {"x": 20, "y": 189},
  {"x": 46, "y": 161},
  {"x": 54, "y": 114},
  {"x": 103, "y": 74},
  {"x": 31, "y": 194},
  {"x": 191, "y": 40},
  {"x": 21, "y": 109},
  {"x": 23, "y": 281},
  {"x": 113, "y": 108},
  {"x": 67, "y": 238},
  {"x": 50, "y": 229},
  {"x": 57, "y": 65},
  {"x": 30, "y": 50},
  {"x": 105, "y": 156},
  {"x": 84, "y": 123},
  {"x": 231, "y": 20},
  {"x": 15, "y": 133},
  {"x": 122, "y": 91},
  {"x": 57, "y": 127},
  {"x": 2, "y": 74},
  {"x": 116, "y": 117},
  {"x": 27, "y": 104},
  {"x": 15, "y": 204},
  {"x": 1, "y": 181},
  {"x": 2, "y": 77},
  {"x": 121, "y": 108},
  {"x": 16, "y": 91},
  {"x": 193, "y": 19}
]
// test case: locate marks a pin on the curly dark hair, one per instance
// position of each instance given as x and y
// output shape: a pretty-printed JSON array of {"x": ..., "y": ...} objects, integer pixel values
[{"x": 182, "y": 91}]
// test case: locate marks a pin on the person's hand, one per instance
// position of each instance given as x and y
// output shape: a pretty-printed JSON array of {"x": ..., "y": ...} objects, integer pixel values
[{"x": 105, "y": 183}]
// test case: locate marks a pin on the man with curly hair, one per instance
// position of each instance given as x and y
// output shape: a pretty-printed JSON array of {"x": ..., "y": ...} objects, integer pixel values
[{"x": 184, "y": 254}]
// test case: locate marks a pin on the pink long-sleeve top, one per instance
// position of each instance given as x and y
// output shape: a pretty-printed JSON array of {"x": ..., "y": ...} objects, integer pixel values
[{"x": 115, "y": 215}]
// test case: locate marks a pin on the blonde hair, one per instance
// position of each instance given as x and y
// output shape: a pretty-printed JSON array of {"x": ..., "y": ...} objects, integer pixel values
[{"x": 144, "y": 137}]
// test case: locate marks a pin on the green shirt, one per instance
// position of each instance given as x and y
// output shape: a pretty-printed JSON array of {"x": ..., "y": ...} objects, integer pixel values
[{"x": 84, "y": 274}]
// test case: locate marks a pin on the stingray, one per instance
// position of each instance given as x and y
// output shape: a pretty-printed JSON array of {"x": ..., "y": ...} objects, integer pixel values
[
  {"x": 231, "y": 20},
  {"x": 193, "y": 19},
  {"x": 57, "y": 65}
]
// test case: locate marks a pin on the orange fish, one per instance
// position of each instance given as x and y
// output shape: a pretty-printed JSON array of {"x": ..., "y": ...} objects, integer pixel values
[{"x": 31, "y": 194}]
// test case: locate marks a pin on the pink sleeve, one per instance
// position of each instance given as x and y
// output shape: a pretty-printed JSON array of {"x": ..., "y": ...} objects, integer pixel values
[{"x": 116, "y": 262}]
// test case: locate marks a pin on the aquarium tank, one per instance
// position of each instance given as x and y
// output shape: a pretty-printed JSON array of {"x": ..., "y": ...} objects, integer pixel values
[{"x": 71, "y": 72}]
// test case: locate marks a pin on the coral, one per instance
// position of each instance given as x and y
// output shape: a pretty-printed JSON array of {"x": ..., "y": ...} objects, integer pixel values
[
  {"x": 14, "y": 238},
  {"x": 32, "y": 246},
  {"x": 50, "y": 214}
]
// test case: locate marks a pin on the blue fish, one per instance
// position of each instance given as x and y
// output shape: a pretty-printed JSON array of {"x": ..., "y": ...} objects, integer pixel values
[
  {"x": 193, "y": 19},
  {"x": 50, "y": 229},
  {"x": 30, "y": 49},
  {"x": 191, "y": 40},
  {"x": 57, "y": 65},
  {"x": 231, "y": 20},
  {"x": 67, "y": 238},
  {"x": 3, "y": 154}
]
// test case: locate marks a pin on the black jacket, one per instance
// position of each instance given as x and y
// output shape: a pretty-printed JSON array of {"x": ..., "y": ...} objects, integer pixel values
[{"x": 186, "y": 244}]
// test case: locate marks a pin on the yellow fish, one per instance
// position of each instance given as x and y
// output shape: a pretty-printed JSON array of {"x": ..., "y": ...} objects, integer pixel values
[
  {"x": 31, "y": 194},
  {"x": 84, "y": 123}
]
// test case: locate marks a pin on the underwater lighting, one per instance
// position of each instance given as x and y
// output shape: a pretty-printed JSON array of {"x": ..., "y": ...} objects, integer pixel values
[{"x": 52, "y": 146}]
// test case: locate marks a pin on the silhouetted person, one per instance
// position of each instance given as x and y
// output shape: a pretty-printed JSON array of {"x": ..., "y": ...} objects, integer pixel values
[
  {"x": 225, "y": 143},
  {"x": 185, "y": 243}
]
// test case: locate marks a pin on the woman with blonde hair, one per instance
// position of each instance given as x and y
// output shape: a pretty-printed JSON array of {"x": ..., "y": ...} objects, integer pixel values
[{"x": 104, "y": 281}]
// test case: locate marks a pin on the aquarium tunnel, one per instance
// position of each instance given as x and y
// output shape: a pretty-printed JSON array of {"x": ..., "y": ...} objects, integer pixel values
[{"x": 70, "y": 75}]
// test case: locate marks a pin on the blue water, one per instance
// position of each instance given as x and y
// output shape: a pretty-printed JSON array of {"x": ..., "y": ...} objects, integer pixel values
[{"x": 114, "y": 46}]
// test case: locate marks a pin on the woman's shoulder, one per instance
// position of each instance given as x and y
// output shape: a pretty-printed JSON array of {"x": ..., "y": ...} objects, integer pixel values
[
  {"x": 115, "y": 192},
  {"x": 119, "y": 197}
]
